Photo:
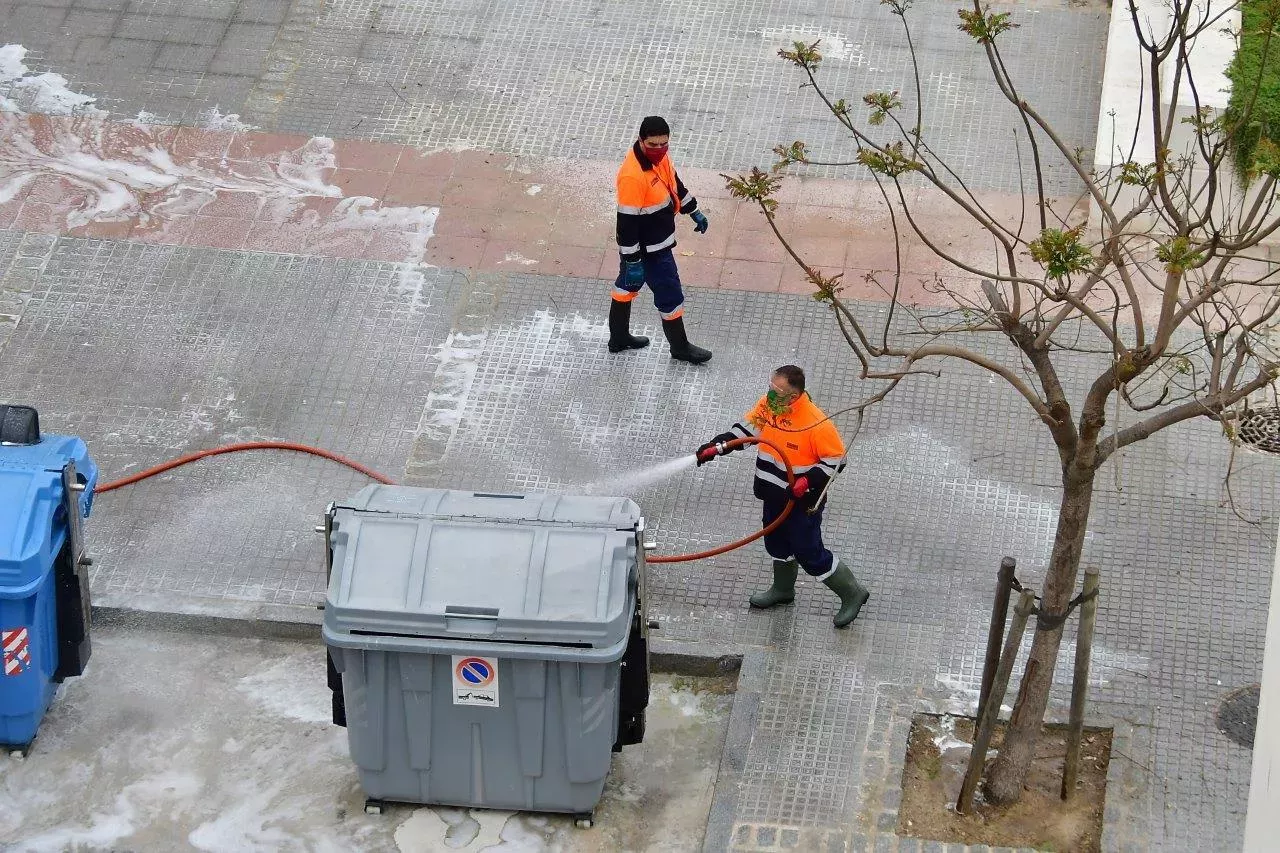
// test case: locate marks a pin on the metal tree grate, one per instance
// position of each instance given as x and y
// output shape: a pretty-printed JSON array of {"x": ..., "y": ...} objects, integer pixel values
[
  {"x": 1238, "y": 714},
  {"x": 1260, "y": 429}
]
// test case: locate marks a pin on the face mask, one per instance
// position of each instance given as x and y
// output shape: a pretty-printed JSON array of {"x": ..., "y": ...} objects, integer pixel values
[
  {"x": 655, "y": 155},
  {"x": 776, "y": 402}
]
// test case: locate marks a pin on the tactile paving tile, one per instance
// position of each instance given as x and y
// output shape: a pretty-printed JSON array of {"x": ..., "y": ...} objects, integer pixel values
[
  {"x": 931, "y": 501},
  {"x": 149, "y": 352},
  {"x": 803, "y": 766},
  {"x": 572, "y": 78},
  {"x": 545, "y": 78}
]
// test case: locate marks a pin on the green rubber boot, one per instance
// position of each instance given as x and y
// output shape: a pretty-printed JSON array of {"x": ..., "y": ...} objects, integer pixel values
[
  {"x": 783, "y": 590},
  {"x": 852, "y": 594}
]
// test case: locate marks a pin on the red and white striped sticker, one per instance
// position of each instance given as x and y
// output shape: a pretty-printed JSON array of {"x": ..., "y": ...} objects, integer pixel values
[{"x": 17, "y": 657}]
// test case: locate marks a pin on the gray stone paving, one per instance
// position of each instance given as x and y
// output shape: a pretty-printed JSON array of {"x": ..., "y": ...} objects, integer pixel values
[
  {"x": 160, "y": 350},
  {"x": 567, "y": 78},
  {"x": 502, "y": 382}
]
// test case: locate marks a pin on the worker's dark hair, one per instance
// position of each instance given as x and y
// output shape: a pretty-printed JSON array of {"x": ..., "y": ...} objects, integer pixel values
[
  {"x": 794, "y": 376},
  {"x": 654, "y": 126}
]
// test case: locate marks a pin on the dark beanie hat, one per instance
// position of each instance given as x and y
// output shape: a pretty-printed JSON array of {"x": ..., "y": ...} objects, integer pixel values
[{"x": 654, "y": 126}]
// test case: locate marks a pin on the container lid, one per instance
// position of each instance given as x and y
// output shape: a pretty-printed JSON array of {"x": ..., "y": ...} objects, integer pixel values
[
  {"x": 32, "y": 521},
  {"x": 543, "y": 569}
]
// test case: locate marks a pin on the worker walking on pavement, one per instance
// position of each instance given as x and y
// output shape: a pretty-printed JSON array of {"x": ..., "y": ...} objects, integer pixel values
[
  {"x": 650, "y": 193},
  {"x": 788, "y": 417}
]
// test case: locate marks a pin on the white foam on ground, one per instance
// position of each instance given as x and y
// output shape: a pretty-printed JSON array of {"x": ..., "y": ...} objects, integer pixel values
[
  {"x": 946, "y": 739},
  {"x": 11, "y": 65},
  {"x": 688, "y": 702},
  {"x": 214, "y": 119},
  {"x": 141, "y": 180},
  {"x": 45, "y": 94},
  {"x": 116, "y": 186},
  {"x": 135, "y": 806},
  {"x": 834, "y": 46},
  {"x": 290, "y": 689},
  {"x": 455, "y": 374},
  {"x": 146, "y": 119}
]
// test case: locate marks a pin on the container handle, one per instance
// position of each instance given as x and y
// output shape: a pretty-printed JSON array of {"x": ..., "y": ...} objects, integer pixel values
[
  {"x": 471, "y": 612},
  {"x": 471, "y": 620}
]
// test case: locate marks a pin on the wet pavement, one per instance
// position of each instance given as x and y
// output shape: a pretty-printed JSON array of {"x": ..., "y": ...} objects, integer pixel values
[{"x": 415, "y": 275}]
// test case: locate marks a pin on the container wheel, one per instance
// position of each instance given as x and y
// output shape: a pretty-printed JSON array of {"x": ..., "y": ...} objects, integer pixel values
[
  {"x": 373, "y": 807},
  {"x": 584, "y": 821}
]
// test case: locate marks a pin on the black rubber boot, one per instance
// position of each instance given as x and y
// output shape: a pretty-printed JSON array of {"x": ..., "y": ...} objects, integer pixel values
[
  {"x": 681, "y": 349},
  {"x": 852, "y": 594},
  {"x": 620, "y": 337},
  {"x": 783, "y": 590}
]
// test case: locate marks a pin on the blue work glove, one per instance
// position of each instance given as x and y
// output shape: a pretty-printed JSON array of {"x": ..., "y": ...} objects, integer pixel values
[
  {"x": 635, "y": 272},
  {"x": 700, "y": 223}
]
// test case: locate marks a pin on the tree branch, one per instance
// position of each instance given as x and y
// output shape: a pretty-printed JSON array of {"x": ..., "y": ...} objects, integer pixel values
[{"x": 1211, "y": 406}]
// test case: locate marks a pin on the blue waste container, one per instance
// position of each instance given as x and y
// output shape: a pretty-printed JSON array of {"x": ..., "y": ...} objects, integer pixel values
[{"x": 46, "y": 490}]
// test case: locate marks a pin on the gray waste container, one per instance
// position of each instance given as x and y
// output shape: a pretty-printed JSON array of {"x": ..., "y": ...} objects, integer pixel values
[{"x": 486, "y": 650}]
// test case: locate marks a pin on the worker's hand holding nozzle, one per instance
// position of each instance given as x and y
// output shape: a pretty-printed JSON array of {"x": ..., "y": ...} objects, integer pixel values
[
  {"x": 715, "y": 447},
  {"x": 709, "y": 451}
]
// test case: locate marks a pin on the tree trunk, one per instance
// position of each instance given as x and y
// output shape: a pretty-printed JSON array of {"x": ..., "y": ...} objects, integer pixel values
[{"x": 1009, "y": 771}]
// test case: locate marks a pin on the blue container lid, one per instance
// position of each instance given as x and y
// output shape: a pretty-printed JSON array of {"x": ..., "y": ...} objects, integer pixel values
[{"x": 31, "y": 526}]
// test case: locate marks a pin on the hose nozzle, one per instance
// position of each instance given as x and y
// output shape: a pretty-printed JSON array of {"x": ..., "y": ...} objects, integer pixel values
[{"x": 712, "y": 452}]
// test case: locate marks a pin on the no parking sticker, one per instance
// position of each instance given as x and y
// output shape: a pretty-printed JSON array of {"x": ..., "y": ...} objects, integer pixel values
[{"x": 475, "y": 681}]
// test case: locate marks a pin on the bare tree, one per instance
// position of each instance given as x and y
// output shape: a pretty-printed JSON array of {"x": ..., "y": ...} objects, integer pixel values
[{"x": 1163, "y": 272}]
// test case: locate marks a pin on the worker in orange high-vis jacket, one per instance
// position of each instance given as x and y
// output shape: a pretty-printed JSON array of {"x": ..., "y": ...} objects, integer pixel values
[
  {"x": 788, "y": 417},
  {"x": 650, "y": 193}
]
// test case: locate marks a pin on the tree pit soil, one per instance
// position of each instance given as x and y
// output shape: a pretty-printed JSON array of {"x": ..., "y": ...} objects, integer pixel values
[{"x": 937, "y": 756}]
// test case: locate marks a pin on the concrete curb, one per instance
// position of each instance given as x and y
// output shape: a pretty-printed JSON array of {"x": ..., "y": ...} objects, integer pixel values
[
  {"x": 699, "y": 660},
  {"x": 207, "y": 623},
  {"x": 243, "y": 619},
  {"x": 733, "y": 760},
  {"x": 291, "y": 622}
]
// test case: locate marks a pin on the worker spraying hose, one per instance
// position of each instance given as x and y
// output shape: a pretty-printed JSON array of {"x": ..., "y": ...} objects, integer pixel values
[
  {"x": 800, "y": 450},
  {"x": 789, "y": 430}
]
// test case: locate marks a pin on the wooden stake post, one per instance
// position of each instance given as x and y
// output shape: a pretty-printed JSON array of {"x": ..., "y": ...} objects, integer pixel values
[
  {"x": 995, "y": 632},
  {"x": 1080, "y": 682},
  {"x": 988, "y": 714}
]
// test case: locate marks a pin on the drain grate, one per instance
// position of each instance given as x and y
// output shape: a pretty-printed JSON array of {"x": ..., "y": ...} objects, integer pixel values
[
  {"x": 1260, "y": 429},
  {"x": 1238, "y": 714}
]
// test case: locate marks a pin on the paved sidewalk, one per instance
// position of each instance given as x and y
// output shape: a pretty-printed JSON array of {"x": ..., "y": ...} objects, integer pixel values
[
  {"x": 417, "y": 279},
  {"x": 502, "y": 382},
  {"x": 235, "y": 752},
  {"x": 561, "y": 78},
  {"x": 480, "y": 212}
]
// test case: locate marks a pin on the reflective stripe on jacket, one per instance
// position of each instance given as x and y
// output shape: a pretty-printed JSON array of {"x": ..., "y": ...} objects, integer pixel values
[
  {"x": 812, "y": 444},
  {"x": 649, "y": 197}
]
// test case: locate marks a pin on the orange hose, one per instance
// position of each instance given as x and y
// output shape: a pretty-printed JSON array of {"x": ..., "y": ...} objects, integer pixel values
[
  {"x": 381, "y": 478},
  {"x": 747, "y": 540},
  {"x": 234, "y": 448}
]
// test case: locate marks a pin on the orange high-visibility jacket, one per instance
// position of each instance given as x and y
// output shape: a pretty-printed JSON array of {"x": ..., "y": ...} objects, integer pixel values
[
  {"x": 648, "y": 198},
  {"x": 812, "y": 444}
]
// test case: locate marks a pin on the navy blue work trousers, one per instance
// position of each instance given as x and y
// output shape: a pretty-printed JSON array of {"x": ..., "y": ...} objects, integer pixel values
[
  {"x": 800, "y": 536},
  {"x": 663, "y": 278}
]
